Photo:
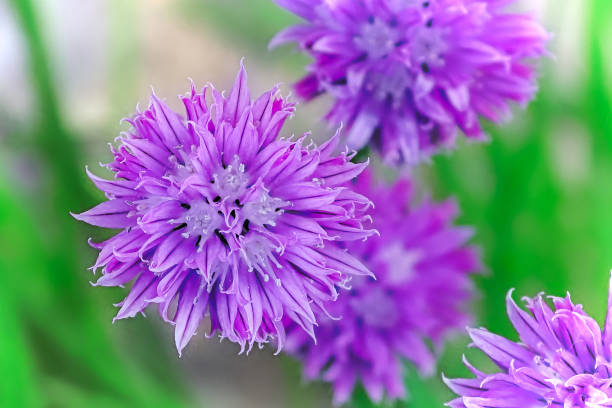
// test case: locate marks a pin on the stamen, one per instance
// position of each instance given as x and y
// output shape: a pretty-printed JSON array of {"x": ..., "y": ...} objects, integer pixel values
[
  {"x": 232, "y": 180},
  {"x": 390, "y": 84},
  {"x": 377, "y": 38},
  {"x": 257, "y": 253},
  {"x": 428, "y": 46},
  {"x": 263, "y": 211},
  {"x": 200, "y": 220}
]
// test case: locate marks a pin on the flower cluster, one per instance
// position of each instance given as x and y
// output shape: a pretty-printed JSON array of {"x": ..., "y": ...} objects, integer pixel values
[
  {"x": 222, "y": 218},
  {"x": 406, "y": 75},
  {"x": 421, "y": 293},
  {"x": 563, "y": 360},
  {"x": 267, "y": 236}
]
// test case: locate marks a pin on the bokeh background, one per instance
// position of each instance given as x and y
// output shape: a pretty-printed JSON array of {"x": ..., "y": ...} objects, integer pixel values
[{"x": 539, "y": 194}]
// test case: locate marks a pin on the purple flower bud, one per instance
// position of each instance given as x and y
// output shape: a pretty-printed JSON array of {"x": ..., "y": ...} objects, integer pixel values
[
  {"x": 421, "y": 294},
  {"x": 407, "y": 75},
  {"x": 222, "y": 218},
  {"x": 562, "y": 360}
]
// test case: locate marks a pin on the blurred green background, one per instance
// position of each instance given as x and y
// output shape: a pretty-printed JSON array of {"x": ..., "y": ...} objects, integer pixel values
[{"x": 539, "y": 194}]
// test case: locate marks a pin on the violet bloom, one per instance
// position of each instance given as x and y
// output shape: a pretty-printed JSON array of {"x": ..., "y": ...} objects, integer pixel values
[
  {"x": 421, "y": 294},
  {"x": 563, "y": 360},
  {"x": 406, "y": 75},
  {"x": 222, "y": 217}
]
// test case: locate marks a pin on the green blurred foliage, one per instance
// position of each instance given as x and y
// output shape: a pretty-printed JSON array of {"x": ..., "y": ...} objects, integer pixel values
[
  {"x": 60, "y": 352},
  {"x": 537, "y": 232}
]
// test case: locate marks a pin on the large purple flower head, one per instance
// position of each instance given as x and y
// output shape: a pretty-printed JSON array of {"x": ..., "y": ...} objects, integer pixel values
[
  {"x": 222, "y": 218},
  {"x": 420, "y": 294},
  {"x": 564, "y": 360},
  {"x": 406, "y": 75}
]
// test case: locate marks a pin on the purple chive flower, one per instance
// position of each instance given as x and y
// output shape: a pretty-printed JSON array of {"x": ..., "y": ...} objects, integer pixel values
[
  {"x": 222, "y": 218},
  {"x": 420, "y": 294},
  {"x": 406, "y": 75},
  {"x": 563, "y": 360}
]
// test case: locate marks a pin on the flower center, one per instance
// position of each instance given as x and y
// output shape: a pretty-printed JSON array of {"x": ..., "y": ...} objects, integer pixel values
[
  {"x": 377, "y": 38},
  {"x": 235, "y": 209},
  {"x": 375, "y": 306},
  {"x": 232, "y": 180},
  {"x": 428, "y": 47},
  {"x": 400, "y": 263},
  {"x": 201, "y": 219},
  {"x": 264, "y": 209},
  {"x": 389, "y": 84}
]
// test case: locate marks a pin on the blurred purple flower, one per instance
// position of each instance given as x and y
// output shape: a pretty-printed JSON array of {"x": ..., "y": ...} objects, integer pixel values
[
  {"x": 407, "y": 74},
  {"x": 563, "y": 360},
  {"x": 222, "y": 217},
  {"x": 421, "y": 294}
]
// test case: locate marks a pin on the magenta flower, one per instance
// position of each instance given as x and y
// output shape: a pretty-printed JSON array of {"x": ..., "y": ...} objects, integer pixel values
[
  {"x": 406, "y": 75},
  {"x": 222, "y": 217},
  {"x": 563, "y": 360},
  {"x": 421, "y": 294}
]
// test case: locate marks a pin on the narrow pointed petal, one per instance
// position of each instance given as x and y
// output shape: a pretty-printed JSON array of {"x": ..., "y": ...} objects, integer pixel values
[
  {"x": 238, "y": 99},
  {"x": 109, "y": 214},
  {"x": 138, "y": 298},
  {"x": 190, "y": 312}
]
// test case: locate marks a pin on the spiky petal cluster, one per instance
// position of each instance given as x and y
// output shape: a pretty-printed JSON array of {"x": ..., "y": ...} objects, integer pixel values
[
  {"x": 406, "y": 75},
  {"x": 563, "y": 360},
  {"x": 225, "y": 219},
  {"x": 421, "y": 294}
]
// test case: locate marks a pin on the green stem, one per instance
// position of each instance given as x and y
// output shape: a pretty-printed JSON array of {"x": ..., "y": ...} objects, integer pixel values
[{"x": 54, "y": 144}]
